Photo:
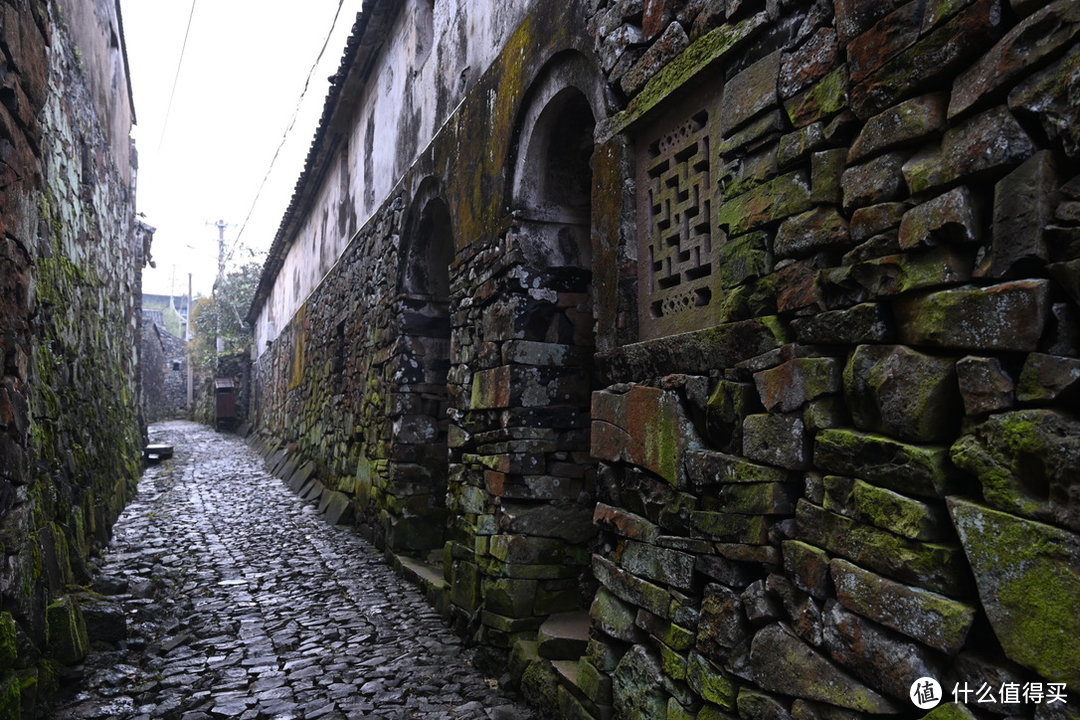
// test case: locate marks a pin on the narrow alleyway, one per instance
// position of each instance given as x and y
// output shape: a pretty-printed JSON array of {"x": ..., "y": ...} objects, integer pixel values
[{"x": 242, "y": 603}]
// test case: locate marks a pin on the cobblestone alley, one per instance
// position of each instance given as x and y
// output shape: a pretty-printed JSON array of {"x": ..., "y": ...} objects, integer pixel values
[{"x": 242, "y": 603}]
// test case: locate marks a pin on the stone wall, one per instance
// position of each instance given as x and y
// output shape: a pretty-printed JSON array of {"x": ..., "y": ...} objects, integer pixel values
[
  {"x": 803, "y": 279},
  {"x": 163, "y": 360},
  {"x": 70, "y": 438},
  {"x": 807, "y": 500}
]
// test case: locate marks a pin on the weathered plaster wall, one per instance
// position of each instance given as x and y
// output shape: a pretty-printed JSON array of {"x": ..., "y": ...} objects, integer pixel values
[
  {"x": 70, "y": 435},
  {"x": 431, "y": 54},
  {"x": 815, "y": 323}
]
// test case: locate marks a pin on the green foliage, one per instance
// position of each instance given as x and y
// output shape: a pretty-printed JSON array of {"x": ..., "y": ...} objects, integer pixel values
[
  {"x": 173, "y": 322},
  {"x": 222, "y": 315}
]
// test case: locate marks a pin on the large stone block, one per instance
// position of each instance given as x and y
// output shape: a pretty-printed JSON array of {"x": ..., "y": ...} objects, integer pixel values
[
  {"x": 1049, "y": 97},
  {"x": 930, "y": 618},
  {"x": 754, "y": 499},
  {"x": 661, "y": 565},
  {"x": 911, "y": 469},
  {"x": 631, "y": 589},
  {"x": 949, "y": 218},
  {"x": 883, "y": 660},
  {"x": 1023, "y": 207},
  {"x": 1026, "y": 461},
  {"x": 897, "y": 391},
  {"x": 1028, "y": 576},
  {"x": 865, "y": 322},
  {"x": 1027, "y": 45},
  {"x": 750, "y": 92},
  {"x": 637, "y": 686},
  {"x": 909, "y": 121},
  {"x": 888, "y": 510},
  {"x": 985, "y": 385},
  {"x": 622, "y": 522},
  {"x": 875, "y": 181},
  {"x": 1007, "y": 316},
  {"x": 807, "y": 233},
  {"x": 780, "y": 440},
  {"x": 789, "y": 386},
  {"x": 894, "y": 274},
  {"x": 696, "y": 352},
  {"x": 809, "y": 63},
  {"x": 823, "y": 100},
  {"x": 934, "y": 55},
  {"x": 562, "y": 520},
  {"x": 933, "y": 566},
  {"x": 989, "y": 142},
  {"x": 783, "y": 663},
  {"x": 67, "y": 638},
  {"x": 744, "y": 258},
  {"x": 731, "y": 527},
  {"x": 710, "y": 683},
  {"x": 776, "y": 199},
  {"x": 708, "y": 468},
  {"x": 854, "y": 17},
  {"x": 645, "y": 427},
  {"x": 1048, "y": 378},
  {"x": 659, "y": 54}
]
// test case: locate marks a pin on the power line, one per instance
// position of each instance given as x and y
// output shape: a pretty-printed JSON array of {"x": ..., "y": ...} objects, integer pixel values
[
  {"x": 285, "y": 135},
  {"x": 176, "y": 76}
]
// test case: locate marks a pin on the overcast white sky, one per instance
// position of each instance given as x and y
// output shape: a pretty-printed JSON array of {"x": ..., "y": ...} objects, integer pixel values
[{"x": 241, "y": 77}]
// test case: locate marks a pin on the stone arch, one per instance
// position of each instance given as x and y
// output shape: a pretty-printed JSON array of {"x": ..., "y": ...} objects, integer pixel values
[
  {"x": 419, "y": 365},
  {"x": 530, "y": 396},
  {"x": 551, "y": 182}
]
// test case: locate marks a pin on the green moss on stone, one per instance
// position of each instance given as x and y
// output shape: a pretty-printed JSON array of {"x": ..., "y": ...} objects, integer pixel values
[
  {"x": 700, "y": 55},
  {"x": 10, "y": 698},
  {"x": 826, "y": 98},
  {"x": 9, "y": 651},
  {"x": 1028, "y": 575},
  {"x": 66, "y": 631},
  {"x": 710, "y": 683}
]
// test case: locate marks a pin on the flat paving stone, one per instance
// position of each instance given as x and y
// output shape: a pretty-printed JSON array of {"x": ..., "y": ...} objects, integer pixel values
[{"x": 241, "y": 602}]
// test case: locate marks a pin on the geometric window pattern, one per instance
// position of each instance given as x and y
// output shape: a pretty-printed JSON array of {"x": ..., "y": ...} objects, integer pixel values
[{"x": 676, "y": 247}]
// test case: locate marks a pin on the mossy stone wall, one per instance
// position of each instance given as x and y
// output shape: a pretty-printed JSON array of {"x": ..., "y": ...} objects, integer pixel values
[{"x": 71, "y": 256}]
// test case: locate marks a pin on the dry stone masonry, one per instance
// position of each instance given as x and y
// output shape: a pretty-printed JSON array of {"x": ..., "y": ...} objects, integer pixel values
[
  {"x": 706, "y": 359},
  {"x": 70, "y": 261}
]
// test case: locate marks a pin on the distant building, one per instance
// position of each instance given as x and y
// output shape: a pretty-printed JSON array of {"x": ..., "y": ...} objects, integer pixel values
[{"x": 164, "y": 370}]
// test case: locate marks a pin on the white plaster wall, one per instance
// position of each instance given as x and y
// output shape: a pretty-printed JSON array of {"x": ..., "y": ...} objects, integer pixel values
[{"x": 395, "y": 118}]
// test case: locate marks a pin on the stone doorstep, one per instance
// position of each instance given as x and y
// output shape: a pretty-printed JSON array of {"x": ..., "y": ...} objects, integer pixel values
[
  {"x": 429, "y": 578},
  {"x": 563, "y": 636}
]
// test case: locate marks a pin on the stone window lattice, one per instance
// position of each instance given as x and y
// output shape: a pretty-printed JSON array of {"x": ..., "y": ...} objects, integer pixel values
[{"x": 676, "y": 171}]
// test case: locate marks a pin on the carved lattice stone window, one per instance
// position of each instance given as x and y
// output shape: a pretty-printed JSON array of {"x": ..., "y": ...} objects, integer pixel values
[{"x": 677, "y": 171}]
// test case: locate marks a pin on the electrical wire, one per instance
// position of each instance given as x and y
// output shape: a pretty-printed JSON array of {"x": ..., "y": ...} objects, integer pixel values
[
  {"x": 285, "y": 135},
  {"x": 176, "y": 76}
]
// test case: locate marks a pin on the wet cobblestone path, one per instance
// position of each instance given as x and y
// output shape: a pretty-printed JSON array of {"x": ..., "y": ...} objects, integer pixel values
[{"x": 242, "y": 603}]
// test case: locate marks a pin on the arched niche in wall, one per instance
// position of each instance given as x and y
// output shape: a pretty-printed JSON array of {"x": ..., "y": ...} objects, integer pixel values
[
  {"x": 551, "y": 190},
  {"x": 419, "y": 367},
  {"x": 549, "y": 369}
]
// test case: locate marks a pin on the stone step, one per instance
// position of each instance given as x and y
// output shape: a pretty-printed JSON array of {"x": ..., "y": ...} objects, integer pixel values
[
  {"x": 563, "y": 636},
  {"x": 421, "y": 573}
]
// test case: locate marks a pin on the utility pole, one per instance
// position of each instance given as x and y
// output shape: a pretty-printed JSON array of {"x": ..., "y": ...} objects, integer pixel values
[
  {"x": 187, "y": 337},
  {"x": 219, "y": 342},
  {"x": 220, "y": 225}
]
